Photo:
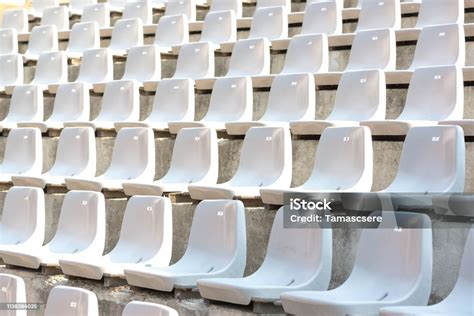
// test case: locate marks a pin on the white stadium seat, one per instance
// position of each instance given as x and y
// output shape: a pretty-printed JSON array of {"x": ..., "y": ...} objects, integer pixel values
[
  {"x": 379, "y": 15},
  {"x": 26, "y": 105},
  {"x": 292, "y": 98},
  {"x": 43, "y": 39},
  {"x": 15, "y": 19},
  {"x": 75, "y": 157},
  {"x": 58, "y": 16},
  {"x": 322, "y": 18},
  {"x": 143, "y": 64},
  {"x": 133, "y": 160},
  {"x": 8, "y": 41},
  {"x": 171, "y": 31},
  {"x": 51, "y": 68},
  {"x": 83, "y": 36},
  {"x": 274, "y": 3},
  {"x": 227, "y": 5},
  {"x": 349, "y": 168},
  {"x": 216, "y": 248},
  {"x": 466, "y": 124},
  {"x": 435, "y": 12},
  {"x": 80, "y": 232},
  {"x": 76, "y": 7},
  {"x": 270, "y": 169},
  {"x": 139, "y": 9},
  {"x": 309, "y": 249},
  {"x": 99, "y": 13},
  {"x": 96, "y": 67},
  {"x": 195, "y": 61},
  {"x": 125, "y": 35},
  {"x": 250, "y": 57},
  {"x": 270, "y": 23},
  {"x": 38, "y": 7},
  {"x": 12, "y": 70},
  {"x": 145, "y": 239},
  {"x": 339, "y": 3},
  {"x": 178, "y": 7},
  {"x": 219, "y": 27},
  {"x": 13, "y": 291},
  {"x": 71, "y": 301},
  {"x": 201, "y": 170},
  {"x": 147, "y": 309},
  {"x": 307, "y": 53}
]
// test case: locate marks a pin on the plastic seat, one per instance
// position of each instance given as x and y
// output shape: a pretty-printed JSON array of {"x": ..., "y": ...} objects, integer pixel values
[
  {"x": 219, "y": 27},
  {"x": 26, "y": 105},
  {"x": 96, "y": 67},
  {"x": 71, "y": 301},
  {"x": 435, "y": 93},
  {"x": 75, "y": 157},
  {"x": 292, "y": 98},
  {"x": 8, "y": 41},
  {"x": 147, "y": 309},
  {"x": 227, "y": 5},
  {"x": 461, "y": 204},
  {"x": 308, "y": 249},
  {"x": 22, "y": 203},
  {"x": 80, "y": 232},
  {"x": 51, "y": 68},
  {"x": 99, "y": 13},
  {"x": 83, "y": 36},
  {"x": 322, "y": 18},
  {"x": 120, "y": 102},
  {"x": 250, "y": 57},
  {"x": 201, "y": 170},
  {"x": 361, "y": 95},
  {"x": 38, "y": 6},
  {"x": 466, "y": 124},
  {"x": 231, "y": 101},
  {"x": 117, "y": 5},
  {"x": 158, "y": 4},
  {"x": 12, "y": 70},
  {"x": 58, "y": 16},
  {"x": 146, "y": 228},
  {"x": 270, "y": 23},
  {"x": 307, "y": 53},
  {"x": 270, "y": 169},
  {"x": 379, "y": 15},
  {"x": 274, "y": 3},
  {"x": 15, "y": 19},
  {"x": 171, "y": 31},
  {"x": 125, "y": 35},
  {"x": 195, "y": 61},
  {"x": 392, "y": 267},
  {"x": 373, "y": 49},
  {"x": 216, "y": 248},
  {"x": 349, "y": 168},
  {"x": 440, "y": 45},
  {"x": 76, "y": 7},
  {"x": 43, "y": 39},
  {"x": 143, "y": 64},
  {"x": 178, "y": 7},
  {"x": 434, "y": 12},
  {"x": 13, "y": 291},
  {"x": 133, "y": 160},
  {"x": 139, "y": 9}
]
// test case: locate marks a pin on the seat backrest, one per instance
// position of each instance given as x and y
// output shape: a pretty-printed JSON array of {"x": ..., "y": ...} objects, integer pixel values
[
  {"x": 13, "y": 290},
  {"x": 324, "y": 17},
  {"x": 435, "y": 93},
  {"x": 40, "y": 5},
  {"x": 83, "y": 36},
  {"x": 373, "y": 49},
  {"x": 121, "y": 102},
  {"x": 270, "y": 23},
  {"x": 250, "y": 58},
  {"x": 23, "y": 218},
  {"x": 173, "y": 101},
  {"x": 435, "y": 12},
  {"x": 379, "y": 15},
  {"x": 77, "y": 6},
  {"x": 43, "y": 39},
  {"x": 274, "y": 3},
  {"x": 99, "y": 12},
  {"x": 71, "y": 301},
  {"x": 12, "y": 69},
  {"x": 204, "y": 167},
  {"x": 273, "y": 163},
  {"x": 432, "y": 160},
  {"x": 178, "y": 7},
  {"x": 81, "y": 225},
  {"x": 23, "y": 152},
  {"x": 96, "y": 66},
  {"x": 350, "y": 165},
  {"x": 231, "y": 100},
  {"x": 361, "y": 95},
  {"x": 143, "y": 64},
  {"x": 139, "y": 9},
  {"x": 8, "y": 41},
  {"x": 219, "y": 27},
  {"x": 75, "y": 154},
  {"x": 147, "y": 231},
  {"x": 307, "y": 53},
  {"x": 292, "y": 98},
  {"x": 227, "y": 5},
  {"x": 16, "y": 19},
  {"x": 145, "y": 308},
  {"x": 172, "y": 31},
  {"x": 51, "y": 68},
  {"x": 126, "y": 34},
  {"x": 26, "y": 104},
  {"x": 58, "y": 16},
  {"x": 195, "y": 60},
  {"x": 440, "y": 45}
]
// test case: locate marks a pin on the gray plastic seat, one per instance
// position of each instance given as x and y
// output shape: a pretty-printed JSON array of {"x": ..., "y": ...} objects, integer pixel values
[
  {"x": 8, "y": 41},
  {"x": 203, "y": 169},
  {"x": 96, "y": 67},
  {"x": 270, "y": 23},
  {"x": 178, "y": 7},
  {"x": 51, "y": 68},
  {"x": 219, "y": 27},
  {"x": 231, "y": 101},
  {"x": 125, "y": 35},
  {"x": 361, "y": 95},
  {"x": 458, "y": 302},
  {"x": 250, "y": 57},
  {"x": 80, "y": 232},
  {"x": 12, "y": 70},
  {"x": 322, "y": 18},
  {"x": 434, "y": 94},
  {"x": 99, "y": 13},
  {"x": 71, "y": 301},
  {"x": 308, "y": 249},
  {"x": 349, "y": 168},
  {"x": 75, "y": 157},
  {"x": 143, "y": 64},
  {"x": 42, "y": 39},
  {"x": 195, "y": 61},
  {"x": 393, "y": 267},
  {"x": 15, "y": 19},
  {"x": 270, "y": 169},
  {"x": 38, "y": 6},
  {"x": 227, "y": 5},
  {"x": 133, "y": 160},
  {"x": 26, "y": 105},
  {"x": 216, "y": 248},
  {"x": 435, "y": 12},
  {"x": 138, "y": 9},
  {"x": 307, "y": 53},
  {"x": 76, "y": 7},
  {"x": 379, "y": 15},
  {"x": 171, "y": 31},
  {"x": 13, "y": 291},
  {"x": 292, "y": 98},
  {"x": 83, "y": 36},
  {"x": 145, "y": 239},
  {"x": 147, "y": 309},
  {"x": 461, "y": 204},
  {"x": 58, "y": 16}
]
